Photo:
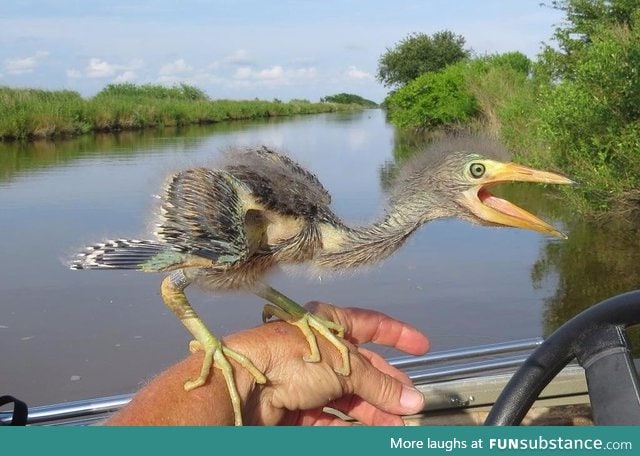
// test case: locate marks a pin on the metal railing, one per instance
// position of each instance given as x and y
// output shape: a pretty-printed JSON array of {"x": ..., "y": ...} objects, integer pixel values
[{"x": 466, "y": 362}]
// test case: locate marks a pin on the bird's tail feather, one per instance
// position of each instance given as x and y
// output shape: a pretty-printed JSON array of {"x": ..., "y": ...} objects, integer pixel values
[{"x": 119, "y": 254}]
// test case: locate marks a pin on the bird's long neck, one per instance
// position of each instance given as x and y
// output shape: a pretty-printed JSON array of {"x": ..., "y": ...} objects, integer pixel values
[{"x": 346, "y": 247}]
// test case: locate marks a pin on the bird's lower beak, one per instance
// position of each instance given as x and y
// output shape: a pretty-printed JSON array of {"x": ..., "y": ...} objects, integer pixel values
[{"x": 501, "y": 212}]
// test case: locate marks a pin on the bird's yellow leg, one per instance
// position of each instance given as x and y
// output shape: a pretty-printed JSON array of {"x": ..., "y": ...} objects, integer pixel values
[
  {"x": 288, "y": 310},
  {"x": 215, "y": 352}
]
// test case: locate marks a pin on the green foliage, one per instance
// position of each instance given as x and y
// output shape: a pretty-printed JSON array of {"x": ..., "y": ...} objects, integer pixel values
[
  {"x": 177, "y": 92},
  {"x": 585, "y": 19},
  {"x": 478, "y": 89},
  {"x": 349, "y": 98},
  {"x": 514, "y": 60},
  {"x": 590, "y": 118},
  {"x": 40, "y": 112},
  {"x": 577, "y": 110},
  {"x": 30, "y": 113},
  {"x": 433, "y": 99},
  {"x": 505, "y": 92},
  {"x": 418, "y": 54}
]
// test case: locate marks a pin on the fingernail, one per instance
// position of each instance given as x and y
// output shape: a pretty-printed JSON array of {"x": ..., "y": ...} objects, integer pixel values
[{"x": 411, "y": 398}]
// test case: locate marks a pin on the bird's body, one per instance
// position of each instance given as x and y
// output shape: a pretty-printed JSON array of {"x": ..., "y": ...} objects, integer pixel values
[
  {"x": 280, "y": 211},
  {"x": 231, "y": 225},
  {"x": 224, "y": 228}
]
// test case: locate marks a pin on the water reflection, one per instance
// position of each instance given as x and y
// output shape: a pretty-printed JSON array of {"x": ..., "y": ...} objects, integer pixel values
[
  {"x": 598, "y": 260},
  {"x": 108, "y": 331},
  {"x": 22, "y": 157}
]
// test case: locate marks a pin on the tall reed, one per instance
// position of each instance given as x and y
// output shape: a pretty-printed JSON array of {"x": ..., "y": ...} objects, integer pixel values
[{"x": 34, "y": 113}]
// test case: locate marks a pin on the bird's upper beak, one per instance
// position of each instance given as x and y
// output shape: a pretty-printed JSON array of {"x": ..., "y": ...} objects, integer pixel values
[{"x": 501, "y": 212}]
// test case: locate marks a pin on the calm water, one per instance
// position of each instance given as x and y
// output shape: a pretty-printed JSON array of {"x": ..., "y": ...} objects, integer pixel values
[{"x": 67, "y": 335}]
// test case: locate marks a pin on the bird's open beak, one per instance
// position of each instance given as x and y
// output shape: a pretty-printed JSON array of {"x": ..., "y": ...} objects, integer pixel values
[{"x": 501, "y": 212}]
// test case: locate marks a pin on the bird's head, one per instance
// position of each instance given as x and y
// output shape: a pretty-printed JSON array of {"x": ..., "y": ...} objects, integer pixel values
[{"x": 460, "y": 187}]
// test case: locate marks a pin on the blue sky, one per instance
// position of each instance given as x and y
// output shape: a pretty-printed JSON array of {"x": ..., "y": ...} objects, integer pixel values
[{"x": 246, "y": 48}]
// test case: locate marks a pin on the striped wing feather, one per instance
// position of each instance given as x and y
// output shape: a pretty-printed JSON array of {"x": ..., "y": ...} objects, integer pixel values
[{"x": 202, "y": 214}]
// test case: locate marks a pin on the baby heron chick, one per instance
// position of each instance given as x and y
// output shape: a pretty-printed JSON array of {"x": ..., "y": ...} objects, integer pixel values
[{"x": 225, "y": 228}]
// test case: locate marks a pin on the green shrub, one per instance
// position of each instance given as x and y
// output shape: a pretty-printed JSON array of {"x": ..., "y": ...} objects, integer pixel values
[
  {"x": 481, "y": 88},
  {"x": 433, "y": 99},
  {"x": 591, "y": 120},
  {"x": 349, "y": 98},
  {"x": 502, "y": 88}
]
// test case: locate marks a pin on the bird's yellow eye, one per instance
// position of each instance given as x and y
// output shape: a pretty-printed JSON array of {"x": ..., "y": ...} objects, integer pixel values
[{"x": 477, "y": 170}]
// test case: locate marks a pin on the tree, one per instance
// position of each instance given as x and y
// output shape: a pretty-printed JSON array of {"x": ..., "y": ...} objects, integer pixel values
[
  {"x": 349, "y": 98},
  {"x": 585, "y": 20},
  {"x": 590, "y": 111},
  {"x": 418, "y": 54}
]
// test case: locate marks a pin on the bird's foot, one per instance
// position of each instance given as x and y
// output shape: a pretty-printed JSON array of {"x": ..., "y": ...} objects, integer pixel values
[
  {"x": 327, "y": 328},
  {"x": 216, "y": 353}
]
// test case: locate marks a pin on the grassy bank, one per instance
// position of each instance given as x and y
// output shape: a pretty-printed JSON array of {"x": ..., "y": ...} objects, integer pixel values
[{"x": 37, "y": 114}]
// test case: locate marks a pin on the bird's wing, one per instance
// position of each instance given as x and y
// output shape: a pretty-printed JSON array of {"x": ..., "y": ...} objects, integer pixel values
[
  {"x": 279, "y": 183},
  {"x": 299, "y": 173},
  {"x": 202, "y": 213}
]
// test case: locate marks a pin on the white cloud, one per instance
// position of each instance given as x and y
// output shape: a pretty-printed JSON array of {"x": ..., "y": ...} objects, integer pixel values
[
  {"x": 212, "y": 66},
  {"x": 20, "y": 66},
  {"x": 242, "y": 73},
  {"x": 309, "y": 72},
  {"x": 74, "y": 74},
  {"x": 267, "y": 74},
  {"x": 275, "y": 75},
  {"x": 23, "y": 65},
  {"x": 238, "y": 57},
  {"x": 97, "y": 68},
  {"x": 354, "y": 73},
  {"x": 198, "y": 78},
  {"x": 178, "y": 66},
  {"x": 275, "y": 72},
  {"x": 127, "y": 76}
]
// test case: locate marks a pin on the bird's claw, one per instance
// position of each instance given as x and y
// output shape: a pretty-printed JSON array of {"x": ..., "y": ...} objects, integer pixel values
[
  {"x": 327, "y": 328},
  {"x": 269, "y": 310},
  {"x": 215, "y": 353}
]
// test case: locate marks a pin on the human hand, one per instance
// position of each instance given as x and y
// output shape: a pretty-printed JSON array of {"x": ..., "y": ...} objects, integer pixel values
[
  {"x": 297, "y": 391},
  {"x": 375, "y": 393}
]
